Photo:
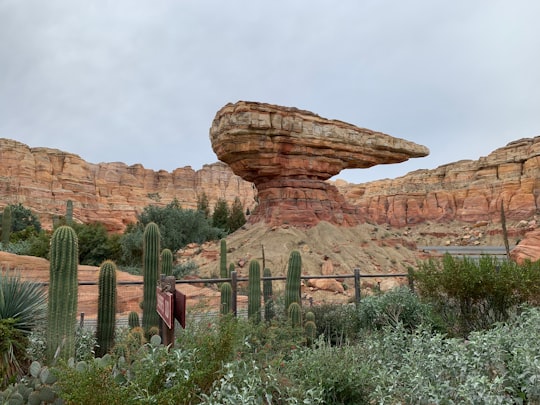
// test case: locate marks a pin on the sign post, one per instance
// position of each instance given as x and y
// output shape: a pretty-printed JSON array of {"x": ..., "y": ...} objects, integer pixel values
[{"x": 171, "y": 305}]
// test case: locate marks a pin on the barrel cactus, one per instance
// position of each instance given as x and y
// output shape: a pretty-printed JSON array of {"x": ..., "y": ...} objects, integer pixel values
[
  {"x": 151, "y": 255},
  {"x": 106, "y": 315},
  {"x": 166, "y": 262},
  {"x": 133, "y": 320},
  {"x": 310, "y": 329},
  {"x": 63, "y": 289},
  {"x": 254, "y": 291},
  {"x": 295, "y": 314},
  {"x": 293, "y": 281}
]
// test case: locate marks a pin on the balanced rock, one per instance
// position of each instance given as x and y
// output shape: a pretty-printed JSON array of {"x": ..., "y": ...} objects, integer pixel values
[{"x": 289, "y": 153}]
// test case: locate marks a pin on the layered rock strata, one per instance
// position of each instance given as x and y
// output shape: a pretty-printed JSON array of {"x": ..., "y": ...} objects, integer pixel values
[
  {"x": 289, "y": 153},
  {"x": 467, "y": 191},
  {"x": 43, "y": 179}
]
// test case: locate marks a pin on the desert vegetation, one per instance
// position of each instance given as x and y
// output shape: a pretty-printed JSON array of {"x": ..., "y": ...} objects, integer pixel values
[{"x": 466, "y": 333}]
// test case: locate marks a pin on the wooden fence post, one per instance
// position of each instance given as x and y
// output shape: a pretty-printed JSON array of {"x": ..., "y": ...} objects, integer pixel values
[{"x": 234, "y": 285}]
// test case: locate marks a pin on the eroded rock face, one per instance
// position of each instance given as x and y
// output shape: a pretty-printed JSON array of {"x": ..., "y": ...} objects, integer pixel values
[
  {"x": 289, "y": 153},
  {"x": 468, "y": 191},
  {"x": 43, "y": 179}
]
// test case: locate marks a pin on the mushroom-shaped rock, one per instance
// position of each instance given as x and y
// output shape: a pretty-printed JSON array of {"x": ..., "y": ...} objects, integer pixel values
[{"x": 289, "y": 153}]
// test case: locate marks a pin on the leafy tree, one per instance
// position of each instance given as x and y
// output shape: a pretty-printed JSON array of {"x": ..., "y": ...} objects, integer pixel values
[
  {"x": 177, "y": 227},
  {"x": 22, "y": 217},
  {"x": 236, "y": 218},
  {"x": 95, "y": 244},
  {"x": 220, "y": 217}
]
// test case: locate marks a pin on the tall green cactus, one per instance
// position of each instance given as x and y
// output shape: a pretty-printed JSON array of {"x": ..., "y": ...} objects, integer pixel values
[
  {"x": 151, "y": 249},
  {"x": 62, "y": 296},
  {"x": 69, "y": 212},
  {"x": 166, "y": 262},
  {"x": 293, "y": 281},
  {"x": 133, "y": 320},
  {"x": 223, "y": 259},
  {"x": 294, "y": 313},
  {"x": 106, "y": 314},
  {"x": 268, "y": 296},
  {"x": 254, "y": 292},
  {"x": 6, "y": 225},
  {"x": 226, "y": 298},
  {"x": 231, "y": 269}
]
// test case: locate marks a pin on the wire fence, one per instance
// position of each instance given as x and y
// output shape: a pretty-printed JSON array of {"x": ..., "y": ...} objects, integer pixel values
[{"x": 203, "y": 298}]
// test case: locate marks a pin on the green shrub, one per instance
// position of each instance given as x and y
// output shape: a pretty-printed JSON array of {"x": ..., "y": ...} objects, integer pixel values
[
  {"x": 339, "y": 373},
  {"x": 338, "y": 323},
  {"x": 470, "y": 295},
  {"x": 398, "y": 305}
]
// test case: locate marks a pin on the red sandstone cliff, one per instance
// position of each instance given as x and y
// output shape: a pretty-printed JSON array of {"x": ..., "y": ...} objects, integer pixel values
[
  {"x": 43, "y": 179},
  {"x": 467, "y": 191}
]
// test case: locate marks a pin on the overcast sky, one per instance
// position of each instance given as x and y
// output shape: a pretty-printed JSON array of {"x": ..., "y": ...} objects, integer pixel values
[{"x": 140, "y": 81}]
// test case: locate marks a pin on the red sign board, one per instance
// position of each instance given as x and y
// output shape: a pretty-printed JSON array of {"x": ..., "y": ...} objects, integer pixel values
[
  {"x": 180, "y": 308},
  {"x": 165, "y": 307}
]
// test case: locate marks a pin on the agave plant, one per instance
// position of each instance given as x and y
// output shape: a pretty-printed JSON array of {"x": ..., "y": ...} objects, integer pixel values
[{"x": 22, "y": 309}]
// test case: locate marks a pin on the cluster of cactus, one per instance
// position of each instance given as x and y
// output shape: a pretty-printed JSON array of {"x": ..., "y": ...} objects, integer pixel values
[
  {"x": 62, "y": 295},
  {"x": 226, "y": 298},
  {"x": 151, "y": 256},
  {"x": 106, "y": 314},
  {"x": 254, "y": 292},
  {"x": 6, "y": 225},
  {"x": 166, "y": 262},
  {"x": 293, "y": 281},
  {"x": 36, "y": 388},
  {"x": 268, "y": 296},
  {"x": 130, "y": 344}
]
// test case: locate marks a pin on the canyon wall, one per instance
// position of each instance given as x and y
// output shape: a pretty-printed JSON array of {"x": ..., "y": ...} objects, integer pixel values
[
  {"x": 43, "y": 179},
  {"x": 467, "y": 191}
]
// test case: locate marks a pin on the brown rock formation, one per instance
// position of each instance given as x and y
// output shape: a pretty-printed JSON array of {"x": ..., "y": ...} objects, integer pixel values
[
  {"x": 43, "y": 179},
  {"x": 467, "y": 191},
  {"x": 288, "y": 153}
]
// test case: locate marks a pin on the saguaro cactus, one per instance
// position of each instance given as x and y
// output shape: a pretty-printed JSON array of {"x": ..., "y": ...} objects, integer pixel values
[
  {"x": 69, "y": 212},
  {"x": 62, "y": 301},
  {"x": 293, "y": 281},
  {"x": 151, "y": 249},
  {"x": 268, "y": 296},
  {"x": 133, "y": 320},
  {"x": 223, "y": 259},
  {"x": 106, "y": 315},
  {"x": 166, "y": 262},
  {"x": 6, "y": 225},
  {"x": 226, "y": 298},
  {"x": 254, "y": 291}
]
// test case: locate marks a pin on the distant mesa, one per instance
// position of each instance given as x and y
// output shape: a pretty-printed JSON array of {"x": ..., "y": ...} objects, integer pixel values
[{"x": 289, "y": 153}]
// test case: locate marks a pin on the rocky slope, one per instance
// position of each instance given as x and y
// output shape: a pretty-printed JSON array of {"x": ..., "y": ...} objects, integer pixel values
[{"x": 43, "y": 179}]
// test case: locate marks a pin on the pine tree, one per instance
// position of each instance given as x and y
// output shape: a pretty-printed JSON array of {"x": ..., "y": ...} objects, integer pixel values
[
  {"x": 203, "y": 204},
  {"x": 237, "y": 217},
  {"x": 220, "y": 217}
]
